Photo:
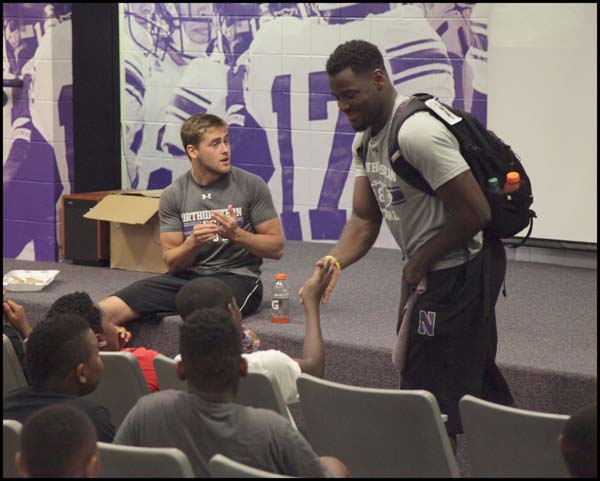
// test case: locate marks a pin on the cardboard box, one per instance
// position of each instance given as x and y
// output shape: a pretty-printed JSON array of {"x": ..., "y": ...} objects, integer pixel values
[{"x": 134, "y": 229}]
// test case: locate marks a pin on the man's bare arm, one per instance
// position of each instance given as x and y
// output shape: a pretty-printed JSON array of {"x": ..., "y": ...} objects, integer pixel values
[
  {"x": 469, "y": 213},
  {"x": 180, "y": 253},
  {"x": 361, "y": 230},
  {"x": 266, "y": 242}
]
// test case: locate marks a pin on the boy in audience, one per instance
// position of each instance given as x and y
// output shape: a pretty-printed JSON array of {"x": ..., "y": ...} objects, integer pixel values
[
  {"x": 64, "y": 365},
  {"x": 58, "y": 442},
  {"x": 578, "y": 443},
  {"x": 205, "y": 420},
  {"x": 211, "y": 292},
  {"x": 110, "y": 337}
]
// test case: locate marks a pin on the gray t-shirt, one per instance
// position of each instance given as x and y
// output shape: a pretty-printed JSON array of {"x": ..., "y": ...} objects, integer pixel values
[
  {"x": 186, "y": 203},
  {"x": 256, "y": 437},
  {"x": 413, "y": 216}
]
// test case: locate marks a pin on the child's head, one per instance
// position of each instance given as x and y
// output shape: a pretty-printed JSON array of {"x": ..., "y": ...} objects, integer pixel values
[
  {"x": 58, "y": 441},
  {"x": 81, "y": 303},
  {"x": 578, "y": 443},
  {"x": 206, "y": 292}
]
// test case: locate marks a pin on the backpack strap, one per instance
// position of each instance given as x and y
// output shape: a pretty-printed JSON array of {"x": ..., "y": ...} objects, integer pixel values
[{"x": 401, "y": 167}]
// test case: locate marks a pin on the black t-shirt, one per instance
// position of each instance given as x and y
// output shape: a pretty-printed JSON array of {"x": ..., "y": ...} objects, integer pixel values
[{"x": 19, "y": 404}]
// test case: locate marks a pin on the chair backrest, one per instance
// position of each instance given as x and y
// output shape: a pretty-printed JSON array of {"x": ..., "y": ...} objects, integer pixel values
[
  {"x": 377, "y": 432},
  {"x": 261, "y": 390},
  {"x": 221, "y": 466},
  {"x": 12, "y": 372},
  {"x": 508, "y": 442},
  {"x": 256, "y": 389},
  {"x": 119, "y": 461},
  {"x": 11, "y": 431},
  {"x": 121, "y": 386},
  {"x": 166, "y": 371}
]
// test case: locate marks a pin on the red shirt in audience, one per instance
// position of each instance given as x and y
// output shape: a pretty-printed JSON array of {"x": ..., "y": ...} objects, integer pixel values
[{"x": 146, "y": 359}]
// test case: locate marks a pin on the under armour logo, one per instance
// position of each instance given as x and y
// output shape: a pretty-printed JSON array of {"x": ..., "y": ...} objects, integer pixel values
[{"x": 206, "y": 196}]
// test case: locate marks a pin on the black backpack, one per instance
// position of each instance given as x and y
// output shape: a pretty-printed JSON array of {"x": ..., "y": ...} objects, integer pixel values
[{"x": 486, "y": 154}]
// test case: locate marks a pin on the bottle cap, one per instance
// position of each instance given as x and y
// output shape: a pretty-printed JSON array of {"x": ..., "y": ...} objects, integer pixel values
[
  {"x": 493, "y": 180},
  {"x": 280, "y": 277},
  {"x": 513, "y": 177}
]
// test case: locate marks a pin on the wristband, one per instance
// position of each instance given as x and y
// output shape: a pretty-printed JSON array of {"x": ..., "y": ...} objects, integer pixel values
[{"x": 337, "y": 263}]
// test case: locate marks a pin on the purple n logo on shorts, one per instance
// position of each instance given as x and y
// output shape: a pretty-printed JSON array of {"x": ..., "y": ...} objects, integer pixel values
[{"x": 426, "y": 323}]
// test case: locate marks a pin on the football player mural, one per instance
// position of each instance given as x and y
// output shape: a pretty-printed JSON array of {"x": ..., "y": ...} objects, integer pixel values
[
  {"x": 37, "y": 126},
  {"x": 262, "y": 68}
]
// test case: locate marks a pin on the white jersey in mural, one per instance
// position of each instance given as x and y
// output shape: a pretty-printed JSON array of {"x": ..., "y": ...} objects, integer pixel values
[{"x": 289, "y": 96}]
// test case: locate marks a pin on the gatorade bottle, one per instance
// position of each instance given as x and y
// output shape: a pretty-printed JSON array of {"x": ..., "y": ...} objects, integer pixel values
[
  {"x": 494, "y": 185},
  {"x": 513, "y": 181},
  {"x": 280, "y": 303}
]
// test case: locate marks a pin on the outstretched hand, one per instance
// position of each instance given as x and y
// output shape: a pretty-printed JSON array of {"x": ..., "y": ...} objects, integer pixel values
[{"x": 320, "y": 283}]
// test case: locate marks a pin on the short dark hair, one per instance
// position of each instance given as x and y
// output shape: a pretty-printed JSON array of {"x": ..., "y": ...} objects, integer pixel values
[
  {"x": 55, "y": 346},
  {"x": 200, "y": 293},
  {"x": 78, "y": 303},
  {"x": 194, "y": 128},
  {"x": 579, "y": 443},
  {"x": 360, "y": 56},
  {"x": 210, "y": 344},
  {"x": 57, "y": 440}
]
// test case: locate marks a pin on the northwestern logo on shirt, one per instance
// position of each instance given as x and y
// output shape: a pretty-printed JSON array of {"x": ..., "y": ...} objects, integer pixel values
[{"x": 426, "y": 323}]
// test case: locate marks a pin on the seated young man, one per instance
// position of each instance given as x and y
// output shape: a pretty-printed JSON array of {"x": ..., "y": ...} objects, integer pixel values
[
  {"x": 216, "y": 220},
  {"x": 210, "y": 292},
  {"x": 110, "y": 337},
  {"x": 205, "y": 420},
  {"x": 58, "y": 442},
  {"x": 64, "y": 365}
]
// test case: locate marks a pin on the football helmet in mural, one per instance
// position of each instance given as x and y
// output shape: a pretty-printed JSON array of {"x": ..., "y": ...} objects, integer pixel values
[
  {"x": 183, "y": 30},
  {"x": 237, "y": 24}
]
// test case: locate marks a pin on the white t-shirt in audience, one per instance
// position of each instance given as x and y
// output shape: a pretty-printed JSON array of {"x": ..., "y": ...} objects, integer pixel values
[{"x": 281, "y": 366}]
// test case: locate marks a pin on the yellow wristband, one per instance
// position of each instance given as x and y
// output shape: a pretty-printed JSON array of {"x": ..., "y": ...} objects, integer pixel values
[{"x": 337, "y": 263}]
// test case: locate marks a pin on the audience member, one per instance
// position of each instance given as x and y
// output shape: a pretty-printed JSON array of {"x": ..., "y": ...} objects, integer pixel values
[
  {"x": 211, "y": 292},
  {"x": 64, "y": 365},
  {"x": 205, "y": 420},
  {"x": 578, "y": 443},
  {"x": 58, "y": 442},
  {"x": 110, "y": 337},
  {"x": 16, "y": 327}
]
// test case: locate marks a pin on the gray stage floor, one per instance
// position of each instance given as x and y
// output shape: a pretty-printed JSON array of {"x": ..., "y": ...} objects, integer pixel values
[{"x": 547, "y": 325}]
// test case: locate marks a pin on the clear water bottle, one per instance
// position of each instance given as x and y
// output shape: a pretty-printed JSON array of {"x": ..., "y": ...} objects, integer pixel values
[
  {"x": 280, "y": 303},
  {"x": 494, "y": 185}
]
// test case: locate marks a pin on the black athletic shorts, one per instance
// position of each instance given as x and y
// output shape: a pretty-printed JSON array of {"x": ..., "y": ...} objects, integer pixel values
[
  {"x": 154, "y": 297},
  {"x": 452, "y": 345}
]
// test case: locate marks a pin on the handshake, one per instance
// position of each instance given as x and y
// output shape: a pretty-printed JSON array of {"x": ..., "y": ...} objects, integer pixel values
[{"x": 322, "y": 281}]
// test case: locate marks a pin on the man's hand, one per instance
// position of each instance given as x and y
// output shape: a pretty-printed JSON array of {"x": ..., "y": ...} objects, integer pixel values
[
  {"x": 317, "y": 283},
  {"x": 204, "y": 233},
  {"x": 328, "y": 264},
  {"x": 413, "y": 272},
  {"x": 15, "y": 314},
  {"x": 124, "y": 337},
  {"x": 227, "y": 226}
]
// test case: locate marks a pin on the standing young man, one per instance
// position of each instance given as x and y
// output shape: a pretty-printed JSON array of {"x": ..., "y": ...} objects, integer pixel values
[
  {"x": 452, "y": 346},
  {"x": 215, "y": 220}
]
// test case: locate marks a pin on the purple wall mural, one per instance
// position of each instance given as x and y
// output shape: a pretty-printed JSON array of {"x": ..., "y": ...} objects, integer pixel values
[
  {"x": 37, "y": 126},
  {"x": 262, "y": 68}
]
